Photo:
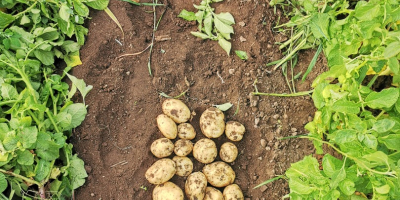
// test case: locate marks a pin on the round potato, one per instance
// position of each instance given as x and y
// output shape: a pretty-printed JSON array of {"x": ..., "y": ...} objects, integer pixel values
[
  {"x": 183, "y": 147},
  {"x": 184, "y": 166},
  {"x": 213, "y": 194},
  {"x": 186, "y": 131},
  {"x": 167, "y": 191},
  {"x": 219, "y": 174},
  {"x": 212, "y": 122},
  {"x": 167, "y": 126},
  {"x": 234, "y": 130},
  {"x": 195, "y": 186},
  {"x": 176, "y": 109},
  {"x": 162, "y": 148},
  {"x": 205, "y": 151},
  {"x": 233, "y": 192},
  {"x": 228, "y": 152},
  {"x": 161, "y": 171}
]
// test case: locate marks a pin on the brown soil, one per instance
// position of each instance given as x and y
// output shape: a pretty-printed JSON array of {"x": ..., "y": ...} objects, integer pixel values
[{"x": 114, "y": 140}]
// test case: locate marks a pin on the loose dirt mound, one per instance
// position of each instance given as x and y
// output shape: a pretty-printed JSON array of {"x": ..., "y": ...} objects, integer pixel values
[{"x": 114, "y": 141}]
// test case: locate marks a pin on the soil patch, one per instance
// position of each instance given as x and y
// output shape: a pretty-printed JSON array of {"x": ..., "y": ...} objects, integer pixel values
[{"x": 114, "y": 140}]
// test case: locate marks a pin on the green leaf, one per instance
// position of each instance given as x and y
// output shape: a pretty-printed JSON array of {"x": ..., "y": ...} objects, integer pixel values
[
  {"x": 384, "y": 189},
  {"x": 226, "y": 18},
  {"x": 200, "y": 35},
  {"x": 377, "y": 158},
  {"x": 42, "y": 170},
  {"x": 394, "y": 66},
  {"x": 48, "y": 33},
  {"x": 370, "y": 141},
  {"x": 73, "y": 59},
  {"x": 10, "y": 141},
  {"x": 97, "y": 4},
  {"x": 8, "y": 91},
  {"x": 81, "y": 85},
  {"x": 331, "y": 164},
  {"x": 208, "y": 20},
  {"x": 337, "y": 177},
  {"x": 78, "y": 112},
  {"x": 366, "y": 11},
  {"x": 70, "y": 46},
  {"x": 3, "y": 183},
  {"x": 347, "y": 187},
  {"x": 46, "y": 57},
  {"x": 63, "y": 120},
  {"x": 384, "y": 125},
  {"x": 383, "y": 99},
  {"x": 224, "y": 107},
  {"x": 28, "y": 136},
  {"x": 25, "y": 157},
  {"x": 242, "y": 55},
  {"x": 77, "y": 172},
  {"x": 391, "y": 50},
  {"x": 65, "y": 12},
  {"x": 225, "y": 45},
  {"x": 5, "y": 19},
  {"x": 318, "y": 98},
  {"x": 222, "y": 27},
  {"x": 392, "y": 141},
  {"x": 319, "y": 24},
  {"x": 345, "y": 106},
  {"x": 187, "y": 15},
  {"x": 46, "y": 148},
  {"x": 80, "y": 8}
]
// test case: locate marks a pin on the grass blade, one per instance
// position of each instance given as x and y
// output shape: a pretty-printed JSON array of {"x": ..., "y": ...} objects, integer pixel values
[
  {"x": 112, "y": 16},
  {"x": 268, "y": 181},
  {"x": 312, "y": 63},
  {"x": 143, "y": 4}
]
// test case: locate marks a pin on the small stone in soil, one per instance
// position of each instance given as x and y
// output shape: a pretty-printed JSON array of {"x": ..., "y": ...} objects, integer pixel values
[
  {"x": 263, "y": 143},
  {"x": 231, "y": 71},
  {"x": 263, "y": 188},
  {"x": 242, "y": 24},
  {"x": 92, "y": 194}
]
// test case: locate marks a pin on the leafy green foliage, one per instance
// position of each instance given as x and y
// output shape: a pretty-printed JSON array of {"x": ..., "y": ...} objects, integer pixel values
[
  {"x": 211, "y": 25},
  {"x": 37, "y": 112},
  {"x": 242, "y": 55}
]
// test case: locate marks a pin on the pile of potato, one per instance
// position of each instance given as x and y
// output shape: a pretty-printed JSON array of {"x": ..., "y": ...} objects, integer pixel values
[{"x": 218, "y": 174}]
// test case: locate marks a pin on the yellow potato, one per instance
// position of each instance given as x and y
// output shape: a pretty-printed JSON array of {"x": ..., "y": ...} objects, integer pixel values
[
  {"x": 167, "y": 126},
  {"x": 219, "y": 174},
  {"x": 186, "y": 131},
  {"x": 161, "y": 171},
  {"x": 212, "y": 122},
  {"x": 183, "y": 147},
  {"x": 234, "y": 131},
  {"x": 162, "y": 148},
  {"x": 213, "y": 194},
  {"x": 228, "y": 152},
  {"x": 167, "y": 191},
  {"x": 205, "y": 151},
  {"x": 195, "y": 186},
  {"x": 233, "y": 192},
  {"x": 184, "y": 166},
  {"x": 176, "y": 110}
]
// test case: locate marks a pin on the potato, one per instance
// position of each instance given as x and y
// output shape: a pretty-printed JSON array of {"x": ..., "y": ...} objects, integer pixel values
[
  {"x": 228, "y": 152},
  {"x": 205, "y": 151},
  {"x": 184, "y": 166},
  {"x": 212, "y": 122},
  {"x": 186, "y": 131},
  {"x": 219, "y": 174},
  {"x": 234, "y": 131},
  {"x": 183, "y": 147},
  {"x": 162, "y": 148},
  {"x": 167, "y": 191},
  {"x": 176, "y": 110},
  {"x": 233, "y": 192},
  {"x": 167, "y": 126},
  {"x": 213, "y": 194},
  {"x": 195, "y": 186},
  {"x": 161, "y": 171}
]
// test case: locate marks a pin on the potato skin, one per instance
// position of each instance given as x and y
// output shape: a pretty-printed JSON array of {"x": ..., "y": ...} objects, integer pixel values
[
  {"x": 176, "y": 110},
  {"x": 213, "y": 194},
  {"x": 186, "y": 131},
  {"x": 167, "y": 126},
  {"x": 195, "y": 186},
  {"x": 167, "y": 191},
  {"x": 233, "y": 192},
  {"x": 184, "y": 166},
  {"x": 228, "y": 152},
  {"x": 219, "y": 174},
  {"x": 183, "y": 147},
  {"x": 212, "y": 122},
  {"x": 234, "y": 131},
  {"x": 205, "y": 151},
  {"x": 161, "y": 171},
  {"x": 162, "y": 148}
]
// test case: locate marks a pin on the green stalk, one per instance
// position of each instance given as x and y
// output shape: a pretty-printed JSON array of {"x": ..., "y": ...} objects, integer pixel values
[
  {"x": 28, "y": 180},
  {"x": 295, "y": 50},
  {"x": 291, "y": 40},
  {"x": 27, "y": 10},
  {"x": 284, "y": 95},
  {"x": 49, "y": 114}
]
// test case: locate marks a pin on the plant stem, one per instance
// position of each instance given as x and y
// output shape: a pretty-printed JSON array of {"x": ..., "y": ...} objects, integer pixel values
[
  {"x": 284, "y": 95},
  {"x": 27, "y": 10},
  {"x": 49, "y": 114},
  {"x": 21, "y": 177}
]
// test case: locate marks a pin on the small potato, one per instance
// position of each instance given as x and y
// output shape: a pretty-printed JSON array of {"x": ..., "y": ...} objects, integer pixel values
[
  {"x": 162, "y": 148},
  {"x": 167, "y": 126},
  {"x": 176, "y": 110},
  {"x": 213, "y": 194},
  {"x": 234, "y": 131},
  {"x": 167, "y": 191},
  {"x": 183, "y": 147},
  {"x": 186, "y": 131},
  {"x": 228, "y": 152},
  {"x": 233, "y": 192},
  {"x": 195, "y": 186},
  {"x": 184, "y": 166},
  {"x": 205, "y": 151},
  {"x": 219, "y": 174},
  {"x": 161, "y": 171},
  {"x": 212, "y": 122}
]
